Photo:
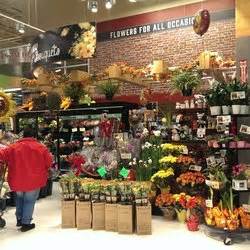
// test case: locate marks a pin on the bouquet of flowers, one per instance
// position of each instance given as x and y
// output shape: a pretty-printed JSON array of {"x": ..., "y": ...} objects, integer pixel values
[
  {"x": 191, "y": 178},
  {"x": 165, "y": 200},
  {"x": 162, "y": 178},
  {"x": 174, "y": 149},
  {"x": 168, "y": 160},
  {"x": 69, "y": 185},
  {"x": 76, "y": 161},
  {"x": 185, "y": 160},
  {"x": 125, "y": 191},
  {"x": 181, "y": 201},
  {"x": 141, "y": 191}
]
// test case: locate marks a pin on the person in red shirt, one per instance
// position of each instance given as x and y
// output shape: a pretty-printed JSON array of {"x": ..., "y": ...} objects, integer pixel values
[{"x": 28, "y": 164}]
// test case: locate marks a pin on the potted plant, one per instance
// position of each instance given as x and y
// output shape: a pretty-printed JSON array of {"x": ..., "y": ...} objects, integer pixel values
[
  {"x": 162, "y": 179},
  {"x": 239, "y": 177},
  {"x": 74, "y": 90},
  {"x": 237, "y": 102},
  {"x": 214, "y": 99},
  {"x": 180, "y": 201},
  {"x": 225, "y": 100},
  {"x": 109, "y": 88},
  {"x": 186, "y": 81},
  {"x": 166, "y": 203}
]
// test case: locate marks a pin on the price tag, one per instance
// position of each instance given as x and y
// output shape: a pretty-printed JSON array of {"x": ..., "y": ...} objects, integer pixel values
[
  {"x": 246, "y": 207},
  {"x": 66, "y": 130},
  {"x": 209, "y": 203},
  {"x": 126, "y": 156},
  {"x": 82, "y": 129},
  {"x": 201, "y": 132},
  {"x": 74, "y": 130},
  {"x": 245, "y": 129},
  {"x": 236, "y": 95},
  {"x": 208, "y": 183},
  {"x": 185, "y": 151},
  {"x": 224, "y": 119},
  {"x": 195, "y": 168},
  {"x": 215, "y": 185}
]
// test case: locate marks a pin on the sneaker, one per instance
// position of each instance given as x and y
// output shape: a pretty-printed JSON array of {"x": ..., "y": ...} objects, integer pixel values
[
  {"x": 27, "y": 227},
  {"x": 19, "y": 223}
]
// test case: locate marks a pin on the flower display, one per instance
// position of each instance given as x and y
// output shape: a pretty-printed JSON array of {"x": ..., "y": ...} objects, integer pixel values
[
  {"x": 185, "y": 160},
  {"x": 164, "y": 200},
  {"x": 191, "y": 178},
  {"x": 180, "y": 201},
  {"x": 85, "y": 45},
  {"x": 162, "y": 177},
  {"x": 173, "y": 148},
  {"x": 239, "y": 171},
  {"x": 169, "y": 159}
]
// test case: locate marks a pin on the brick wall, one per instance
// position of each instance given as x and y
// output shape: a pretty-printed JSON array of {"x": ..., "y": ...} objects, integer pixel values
[{"x": 177, "y": 47}]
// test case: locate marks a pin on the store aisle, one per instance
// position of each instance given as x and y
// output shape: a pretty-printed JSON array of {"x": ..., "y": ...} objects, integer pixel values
[{"x": 49, "y": 235}]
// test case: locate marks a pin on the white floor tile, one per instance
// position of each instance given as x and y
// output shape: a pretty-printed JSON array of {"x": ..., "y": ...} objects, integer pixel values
[{"x": 49, "y": 235}]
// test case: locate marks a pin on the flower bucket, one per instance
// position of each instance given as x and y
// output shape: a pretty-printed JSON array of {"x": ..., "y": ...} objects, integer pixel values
[
  {"x": 181, "y": 215},
  {"x": 215, "y": 110},
  {"x": 236, "y": 109},
  {"x": 168, "y": 213},
  {"x": 225, "y": 110},
  {"x": 187, "y": 92},
  {"x": 244, "y": 109}
]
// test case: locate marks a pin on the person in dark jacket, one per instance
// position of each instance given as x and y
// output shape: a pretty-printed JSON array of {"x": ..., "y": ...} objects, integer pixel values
[{"x": 28, "y": 163}]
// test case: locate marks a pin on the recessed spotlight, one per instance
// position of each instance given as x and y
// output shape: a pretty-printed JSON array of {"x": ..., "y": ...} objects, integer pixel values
[
  {"x": 132, "y": 1},
  {"x": 109, "y": 4},
  {"x": 93, "y": 6}
]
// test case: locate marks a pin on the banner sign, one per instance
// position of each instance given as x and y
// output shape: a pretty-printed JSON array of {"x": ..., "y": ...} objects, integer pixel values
[
  {"x": 147, "y": 28},
  {"x": 77, "y": 41}
]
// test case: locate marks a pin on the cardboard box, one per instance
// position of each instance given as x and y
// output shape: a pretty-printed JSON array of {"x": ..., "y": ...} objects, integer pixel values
[
  {"x": 83, "y": 215},
  {"x": 68, "y": 214},
  {"x": 144, "y": 220},
  {"x": 111, "y": 219},
  {"x": 98, "y": 216},
  {"x": 125, "y": 219}
]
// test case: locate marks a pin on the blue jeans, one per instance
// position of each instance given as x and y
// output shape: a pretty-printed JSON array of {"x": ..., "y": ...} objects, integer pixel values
[{"x": 25, "y": 203}]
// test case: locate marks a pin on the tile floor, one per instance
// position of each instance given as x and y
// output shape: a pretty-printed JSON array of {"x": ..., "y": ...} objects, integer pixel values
[{"x": 49, "y": 235}]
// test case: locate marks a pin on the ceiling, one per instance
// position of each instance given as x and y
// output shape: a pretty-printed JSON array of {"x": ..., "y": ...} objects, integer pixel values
[{"x": 49, "y": 14}]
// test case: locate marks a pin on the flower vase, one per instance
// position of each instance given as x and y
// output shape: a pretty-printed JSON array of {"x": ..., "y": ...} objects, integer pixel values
[
  {"x": 225, "y": 110},
  {"x": 181, "y": 215},
  {"x": 192, "y": 225},
  {"x": 236, "y": 109},
  {"x": 215, "y": 110}
]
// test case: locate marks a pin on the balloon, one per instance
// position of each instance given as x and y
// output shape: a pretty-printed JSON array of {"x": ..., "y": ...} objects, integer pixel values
[{"x": 201, "y": 22}]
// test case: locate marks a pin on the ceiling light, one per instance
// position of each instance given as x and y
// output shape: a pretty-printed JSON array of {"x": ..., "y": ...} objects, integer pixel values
[
  {"x": 132, "y": 1},
  {"x": 109, "y": 4},
  {"x": 20, "y": 28},
  {"x": 93, "y": 6}
]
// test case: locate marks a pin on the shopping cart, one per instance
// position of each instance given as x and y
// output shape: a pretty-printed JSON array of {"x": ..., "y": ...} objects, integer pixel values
[{"x": 3, "y": 170}]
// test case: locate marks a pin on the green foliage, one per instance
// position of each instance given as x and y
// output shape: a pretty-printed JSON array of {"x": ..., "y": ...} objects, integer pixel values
[
  {"x": 74, "y": 90},
  {"x": 186, "y": 80},
  {"x": 109, "y": 88}
]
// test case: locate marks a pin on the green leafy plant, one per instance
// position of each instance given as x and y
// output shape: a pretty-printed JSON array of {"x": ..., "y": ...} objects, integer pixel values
[
  {"x": 214, "y": 96},
  {"x": 236, "y": 86},
  {"x": 109, "y": 88},
  {"x": 74, "y": 90},
  {"x": 186, "y": 81}
]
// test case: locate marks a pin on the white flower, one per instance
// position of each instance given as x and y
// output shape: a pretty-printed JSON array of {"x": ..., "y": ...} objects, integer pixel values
[
  {"x": 157, "y": 133},
  {"x": 134, "y": 159},
  {"x": 140, "y": 161},
  {"x": 130, "y": 164},
  {"x": 145, "y": 131},
  {"x": 148, "y": 145},
  {"x": 150, "y": 161}
]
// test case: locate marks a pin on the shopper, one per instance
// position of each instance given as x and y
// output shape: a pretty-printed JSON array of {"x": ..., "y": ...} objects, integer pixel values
[{"x": 28, "y": 164}]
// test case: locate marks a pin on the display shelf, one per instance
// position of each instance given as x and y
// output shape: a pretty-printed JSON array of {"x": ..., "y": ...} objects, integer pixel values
[
  {"x": 232, "y": 115},
  {"x": 186, "y": 141}
]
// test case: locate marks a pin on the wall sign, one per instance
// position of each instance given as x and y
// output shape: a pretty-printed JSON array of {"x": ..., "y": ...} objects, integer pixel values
[
  {"x": 77, "y": 41},
  {"x": 147, "y": 28}
]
